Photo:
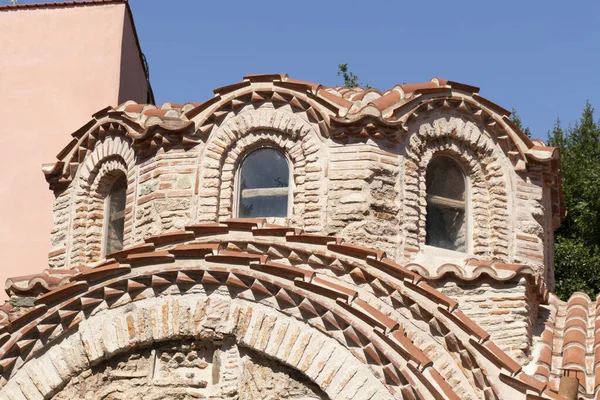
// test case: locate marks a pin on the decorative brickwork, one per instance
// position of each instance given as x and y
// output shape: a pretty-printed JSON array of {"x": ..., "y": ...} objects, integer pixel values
[
  {"x": 213, "y": 319},
  {"x": 284, "y": 130},
  {"x": 84, "y": 217},
  {"x": 165, "y": 192},
  {"x": 488, "y": 202},
  {"x": 532, "y": 226},
  {"x": 379, "y": 312},
  {"x": 502, "y": 309},
  {"x": 363, "y": 194},
  {"x": 247, "y": 291}
]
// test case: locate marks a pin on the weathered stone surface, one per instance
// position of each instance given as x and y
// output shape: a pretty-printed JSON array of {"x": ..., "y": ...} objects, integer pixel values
[
  {"x": 191, "y": 370},
  {"x": 366, "y": 189},
  {"x": 505, "y": 310}
]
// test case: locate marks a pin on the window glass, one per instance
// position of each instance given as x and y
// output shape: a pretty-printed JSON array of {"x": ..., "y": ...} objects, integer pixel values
[
  {"x": 264, "y": 185},
  {"x": 115, "y": 217},
  {"x": 446, "y": 220}
]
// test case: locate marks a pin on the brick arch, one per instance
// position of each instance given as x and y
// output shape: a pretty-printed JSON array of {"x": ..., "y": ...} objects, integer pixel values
[
  {"x": 111, "y": 157},
  {"x": 295, "y": 153},
  {"x": 405, "y": 332},
  {"x": 479, "y": 215},
  {"x": 477, "y": 152},
  {"x": 201, "y": 317},
  {"x": 282, "y": 128}
]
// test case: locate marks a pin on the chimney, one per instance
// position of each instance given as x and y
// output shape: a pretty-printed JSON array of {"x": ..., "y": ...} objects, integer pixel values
[{"x": 569, "y": 383}]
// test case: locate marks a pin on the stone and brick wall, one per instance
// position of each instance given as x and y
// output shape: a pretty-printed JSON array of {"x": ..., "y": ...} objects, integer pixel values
[
  {"x": 363, "y": 201},
  {"x": 368, "y": 191},
  {"x": 164, "y": 193},
  {"x": 488, "y": 173},
  {"x": 506, "y": 310}
]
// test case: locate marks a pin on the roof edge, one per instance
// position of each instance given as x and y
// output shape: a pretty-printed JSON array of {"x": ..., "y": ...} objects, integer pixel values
[
  {"x": 143, "y": 62},
  {"x": 63, "y": 4}
]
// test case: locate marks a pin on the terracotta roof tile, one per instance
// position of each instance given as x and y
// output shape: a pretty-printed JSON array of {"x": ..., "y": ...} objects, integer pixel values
[
  {"x": 35, "y": 284},
  {"x": 339, "y": 112},
  {"x": 501, "y": 357},
  {"x": 265, "y": 278},
  {"x": 244, "y": 223},
  {"x": 571, "y": 341},
  {"x": 228, "y": 256},
  {"x": 275, "y": 230},
  {"x": 312, "y": 239},
  {"x": 466, "y": 323},
  {"x": 195, "y": 249},
  {"x": 101, "y": 273},
  {"x": 155, "y": 257},
  {"x": 285, "y": 271},
  {"x": 394, "y": 268},
  {"x": 333, "y": 292},
  {"x": 170, "y": 237},
  {"x": 207, "y": 229},
  {"x": 356, "y": 251},
  {"x": 61, "y": 292},
  {"x": 138, "y": 248},
  {"x": 432, "y": 294}
]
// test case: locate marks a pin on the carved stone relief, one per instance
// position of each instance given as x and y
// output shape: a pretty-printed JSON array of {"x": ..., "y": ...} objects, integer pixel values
[{"x": 191, "y": 370}]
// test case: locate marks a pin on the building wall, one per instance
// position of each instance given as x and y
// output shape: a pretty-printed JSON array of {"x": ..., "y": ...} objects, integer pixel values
[
  {"x": 369, "y": 192},
  {"x": 132, "y": 77},
  {"x": 58, "y": 65},
  {"x": 506, "y": 310}
]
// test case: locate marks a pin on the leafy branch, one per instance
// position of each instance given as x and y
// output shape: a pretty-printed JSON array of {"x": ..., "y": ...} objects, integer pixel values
[{"x": 350, "y": 79}]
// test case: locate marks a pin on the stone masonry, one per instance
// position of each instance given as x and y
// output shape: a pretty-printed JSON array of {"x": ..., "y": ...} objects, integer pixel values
[{"x": 201, "y": 304}]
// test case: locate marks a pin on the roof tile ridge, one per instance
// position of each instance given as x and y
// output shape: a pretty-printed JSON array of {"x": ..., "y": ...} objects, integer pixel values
[
  {"x": 360, "y": 95},
  {"x": 481, "y": 269},
  {"x": 372, "y": 312},
  {"x": 388, "y": 101},
  {"x": 450, "y": 306}
]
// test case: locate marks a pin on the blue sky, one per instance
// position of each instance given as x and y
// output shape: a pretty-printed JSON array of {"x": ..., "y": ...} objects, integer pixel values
[{"x": 541, "y": 57}]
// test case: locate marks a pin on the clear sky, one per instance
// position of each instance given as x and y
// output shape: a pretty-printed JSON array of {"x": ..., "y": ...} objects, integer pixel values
[{"x": 541, "y": 57}]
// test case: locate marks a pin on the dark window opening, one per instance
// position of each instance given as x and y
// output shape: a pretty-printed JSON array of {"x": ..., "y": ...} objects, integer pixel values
[
  {"x": 445, "y": 224},
  {"x": 115, "y": 216},
  {"x": 263, "y": 185}
]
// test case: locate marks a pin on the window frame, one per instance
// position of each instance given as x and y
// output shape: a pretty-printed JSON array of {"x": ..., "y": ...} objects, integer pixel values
[
  {"x": 467, "y": 209},
  {"x": 237, "y": 193},
  {"x": 106, "y": 216}
]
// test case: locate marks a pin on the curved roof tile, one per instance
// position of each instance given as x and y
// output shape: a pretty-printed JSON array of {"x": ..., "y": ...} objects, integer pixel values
[
  {"x": 115, "y": 276},
  {"x": 338, "y": 112},
  {"x": 570, "y": 343}
]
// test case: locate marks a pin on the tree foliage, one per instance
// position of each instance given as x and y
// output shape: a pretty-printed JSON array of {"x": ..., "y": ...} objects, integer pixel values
[
  {"x": 577, "y": 243},
  {"x": 350, "y": 79},
  {"x": 516, "y": 119}
]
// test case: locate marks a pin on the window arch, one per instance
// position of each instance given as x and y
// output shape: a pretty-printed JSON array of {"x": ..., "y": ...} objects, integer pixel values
[
  {"x": 263, "y": 184},
  {"x": 446, "y": 221},
  {"x": 114, "y": 219}
]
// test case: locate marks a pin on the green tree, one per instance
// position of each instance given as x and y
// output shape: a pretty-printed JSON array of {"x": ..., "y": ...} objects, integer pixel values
[
  {"x": 350, "y": 79},
  {"x": 577, "y": 241},
  {"x": 516, "y": 119}
]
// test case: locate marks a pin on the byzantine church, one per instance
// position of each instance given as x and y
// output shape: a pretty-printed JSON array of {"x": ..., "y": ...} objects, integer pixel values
[{"x": 288, "y": 240}]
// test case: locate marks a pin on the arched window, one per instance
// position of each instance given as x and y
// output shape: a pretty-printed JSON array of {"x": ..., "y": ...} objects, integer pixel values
[
  {"x": 114, "y": 219},
  {"x": 263, "y": 184},
  {"x": 446, "y": 223}
]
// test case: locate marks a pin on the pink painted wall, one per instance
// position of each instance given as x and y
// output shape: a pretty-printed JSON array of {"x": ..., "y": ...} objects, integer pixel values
[
  {"x": 58, "y": 66},
  {"x": 132, "y": 85}
]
